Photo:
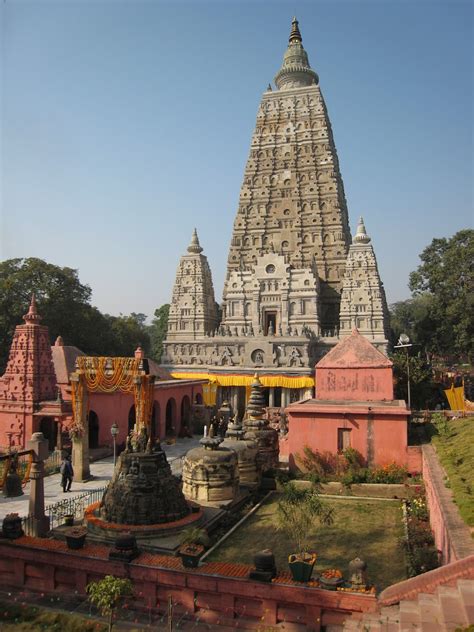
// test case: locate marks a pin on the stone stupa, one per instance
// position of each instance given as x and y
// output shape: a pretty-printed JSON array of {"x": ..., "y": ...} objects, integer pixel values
[{"x": 258, "y": 429}]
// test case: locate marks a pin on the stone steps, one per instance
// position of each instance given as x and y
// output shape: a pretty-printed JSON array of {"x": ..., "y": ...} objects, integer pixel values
[{"x": 445, "y": 610}]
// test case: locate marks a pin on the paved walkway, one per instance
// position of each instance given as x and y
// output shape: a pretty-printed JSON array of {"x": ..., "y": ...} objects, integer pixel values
[{"x": 101, "y": 472}]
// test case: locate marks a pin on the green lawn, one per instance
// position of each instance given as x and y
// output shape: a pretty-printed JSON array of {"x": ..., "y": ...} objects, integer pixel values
[
  {"x": 370, "y": 529},
  {"x": 455, "y": 448}
]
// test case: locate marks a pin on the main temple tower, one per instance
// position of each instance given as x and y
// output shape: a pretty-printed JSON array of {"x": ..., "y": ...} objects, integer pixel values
[
  {"x": 291, "y": 234},
  {"x": 292, "y": 262}
]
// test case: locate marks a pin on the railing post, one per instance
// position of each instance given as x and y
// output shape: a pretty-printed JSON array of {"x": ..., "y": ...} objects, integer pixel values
[{"x": 39, "y": 521}]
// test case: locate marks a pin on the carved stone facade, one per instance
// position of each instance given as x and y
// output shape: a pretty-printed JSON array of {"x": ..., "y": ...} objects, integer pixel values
[
  {"x": 363, "y": 302},
  {"x": 193, "y": 311},
  {"x": 288, "y": 258}
]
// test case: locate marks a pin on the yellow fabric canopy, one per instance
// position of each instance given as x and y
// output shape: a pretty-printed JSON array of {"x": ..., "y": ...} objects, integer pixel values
[
  {"x": 285, "y": 381},
  {"x": 455, "y": 397}
]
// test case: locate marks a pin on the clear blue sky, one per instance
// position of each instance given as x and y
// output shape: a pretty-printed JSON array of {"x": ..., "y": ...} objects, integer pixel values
[{"x": 126, "y": 124}]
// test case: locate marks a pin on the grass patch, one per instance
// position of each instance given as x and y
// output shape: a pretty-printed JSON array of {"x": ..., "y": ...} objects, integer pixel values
[
  {"x": 25, "y": 618},
  {"x": 455, "y": 447},
  {"x": 370, "y": 529}
]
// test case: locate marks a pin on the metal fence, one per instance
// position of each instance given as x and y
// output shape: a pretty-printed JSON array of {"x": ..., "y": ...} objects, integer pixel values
[{"x": 73, "y": 506}]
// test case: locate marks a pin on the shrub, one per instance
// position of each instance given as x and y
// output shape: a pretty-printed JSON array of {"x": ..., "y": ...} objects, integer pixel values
[{"x": 391, "y": 473}]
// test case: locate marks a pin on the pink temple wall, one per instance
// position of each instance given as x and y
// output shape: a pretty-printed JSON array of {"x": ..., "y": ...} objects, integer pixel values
[
  {"x": 358, "y": 384},
  {"x": 319, "y": 430}
]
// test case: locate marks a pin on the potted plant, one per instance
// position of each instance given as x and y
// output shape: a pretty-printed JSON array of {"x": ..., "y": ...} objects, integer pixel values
[
  {"x": 298, "y": 512},
  {"x": 68, "y": 520},
  {"x": 12, "y": 527},
  {"x": 193, "y": 542},
  {"x": 331, "y": 578},
  {"x": 76, "y": 537}
]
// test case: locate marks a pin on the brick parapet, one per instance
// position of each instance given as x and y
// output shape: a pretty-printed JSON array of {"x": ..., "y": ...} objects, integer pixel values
[
  {"x": 428, "y": 582},
  {"x": 217, "y": 591},
  {"x": 452, "y": 535}
]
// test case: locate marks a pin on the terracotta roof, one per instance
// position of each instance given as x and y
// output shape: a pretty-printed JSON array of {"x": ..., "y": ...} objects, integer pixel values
[
  {"x": 64, "y": 360},
  {"x": 355, "y": 351}
]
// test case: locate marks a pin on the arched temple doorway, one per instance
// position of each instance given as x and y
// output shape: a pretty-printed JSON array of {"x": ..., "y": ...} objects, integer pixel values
[
  {"x": 49, "y": 428},
  {"x": 131, "y": 418},
  {"x": 185, "y": 415},
  {"x": 93, "y": 421},
  {"x": 171, "y": 417}
]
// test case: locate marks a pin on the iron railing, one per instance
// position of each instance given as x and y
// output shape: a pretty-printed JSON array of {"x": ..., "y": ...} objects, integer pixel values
[{"x": 73, "y": 506}]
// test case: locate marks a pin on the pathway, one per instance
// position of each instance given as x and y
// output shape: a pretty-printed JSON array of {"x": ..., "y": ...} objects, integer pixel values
[{"x": 101, "y": 472}]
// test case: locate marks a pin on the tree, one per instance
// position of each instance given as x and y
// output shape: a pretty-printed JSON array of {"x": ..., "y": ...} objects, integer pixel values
[
  {"x": 445, "y": 278},
  {"x": 414, "y": 318},
  {"x": 63, "y": 302},
  {"x": 158, "y": 330},
  {"x": 127, "y": 332},
  {"x": 298, "y": 512},
  {"x": 422, "y": 389},
  {"x": 107, "y": 593}
]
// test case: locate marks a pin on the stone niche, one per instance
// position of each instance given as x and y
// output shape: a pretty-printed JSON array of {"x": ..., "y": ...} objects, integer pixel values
[{"x": 211, "y": 474}]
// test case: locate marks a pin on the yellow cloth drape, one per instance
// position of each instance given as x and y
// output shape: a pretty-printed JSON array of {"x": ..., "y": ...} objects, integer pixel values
[
  {"x": 285, "y": 381},
  {"x": 455, "y": 397},
  {"x": 209, "y": 392}
]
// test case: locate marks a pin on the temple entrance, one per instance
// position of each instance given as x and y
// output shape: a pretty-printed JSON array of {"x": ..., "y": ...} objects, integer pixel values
[
  {"x": 185, "y": 414},
  {"x": 155, "y": 421},
  {"x": 93, "y": 421},
  {"x": 170, "y": 418},
  {"x": 131, "y": 418},
  {"x": 49, "y": 429},
  {"x": 270, "y": 323}
]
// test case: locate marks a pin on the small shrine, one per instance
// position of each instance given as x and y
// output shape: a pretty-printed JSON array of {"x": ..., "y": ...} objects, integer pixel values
[
  {"x": 211, "y": 473},
  {"x": 353, "y": 408},
  {"x": 247, "y": 453},
  {"x": 258, "y": 429}
]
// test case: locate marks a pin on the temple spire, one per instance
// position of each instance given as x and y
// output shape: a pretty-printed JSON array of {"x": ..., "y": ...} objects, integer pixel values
[
  {"x": 361, "y": 236},
  {"x": 295, "y": 35},
  {"x": 32, "y": 317},
  {"x": 195, "y": 246},
  {"x": 295, "y": 71}
]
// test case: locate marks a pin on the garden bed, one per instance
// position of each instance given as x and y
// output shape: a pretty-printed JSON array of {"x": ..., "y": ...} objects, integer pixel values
[
  {"x": 370, "y": 490},
  {"x": 370, "y": 529}
]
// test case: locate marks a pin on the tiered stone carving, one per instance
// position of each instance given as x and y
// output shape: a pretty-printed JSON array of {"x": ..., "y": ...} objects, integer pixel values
[
  {"x": 292, "y": 223},
  {"x": 210, "y": 473},
  {"x": 247, "y": 453},
  {"x": 193, "y": 312},
  {"x": 363, "y": 302},
  {"x": 258, "y": 429},
  {"x": 143, "y": 490}
]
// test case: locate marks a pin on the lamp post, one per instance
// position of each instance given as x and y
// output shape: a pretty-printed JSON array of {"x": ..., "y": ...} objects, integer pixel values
[
  {"x": 114, "y": 430},
  {"x": 404, "y": 343}
]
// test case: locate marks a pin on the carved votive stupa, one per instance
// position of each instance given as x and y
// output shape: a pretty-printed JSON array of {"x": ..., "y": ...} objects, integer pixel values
[
  {"x": 258, "y": 429},
  {"x": 210, "y": 473},
  {"x": 247, "y": 452},
  {"x": 143, "y": 491}
]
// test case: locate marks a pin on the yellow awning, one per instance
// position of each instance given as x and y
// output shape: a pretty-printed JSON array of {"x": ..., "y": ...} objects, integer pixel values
[{"x": 285, "y": 381}]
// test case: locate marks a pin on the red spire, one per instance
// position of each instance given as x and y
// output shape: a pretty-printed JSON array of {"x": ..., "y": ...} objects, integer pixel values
[{"x": 32, "y": 317}]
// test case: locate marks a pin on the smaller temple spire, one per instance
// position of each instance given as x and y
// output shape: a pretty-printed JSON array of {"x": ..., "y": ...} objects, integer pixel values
[
  {"x": 32, "y": 317},
  {"x": 295, "y": 35},
  {"x": 195, "y": 246},
  {"x": 361, "y": 236}
]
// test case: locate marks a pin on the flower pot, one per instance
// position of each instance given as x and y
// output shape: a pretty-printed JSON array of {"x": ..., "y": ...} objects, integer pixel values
[
  {"x": 190, "y": 555},
  {"x": 76, "y": 540},
  {"x": 301, "y": 568},
  {"x": 69, "y": 520},
  {"x": 11, "y": 527},
  {"x": 331, "y": 583}
]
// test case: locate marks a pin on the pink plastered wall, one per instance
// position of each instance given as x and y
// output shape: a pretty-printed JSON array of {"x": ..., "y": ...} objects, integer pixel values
[
  {"x": 381, "y": 442},
  {"x": 359, "y": 384}
]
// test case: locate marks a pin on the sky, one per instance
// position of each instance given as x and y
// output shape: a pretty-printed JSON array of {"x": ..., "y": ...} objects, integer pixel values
[{"x": 125, "y": 124}]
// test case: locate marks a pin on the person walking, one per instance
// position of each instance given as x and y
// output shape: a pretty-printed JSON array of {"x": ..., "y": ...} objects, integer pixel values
[{"x": 67, "y": 474}]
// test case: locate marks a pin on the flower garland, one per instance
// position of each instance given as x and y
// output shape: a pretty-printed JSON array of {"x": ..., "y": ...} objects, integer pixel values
[{"x": 109, "y": 374}]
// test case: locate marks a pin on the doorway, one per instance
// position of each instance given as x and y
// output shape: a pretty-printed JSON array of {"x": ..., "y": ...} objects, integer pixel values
[{"x": 270, "y": 323}]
